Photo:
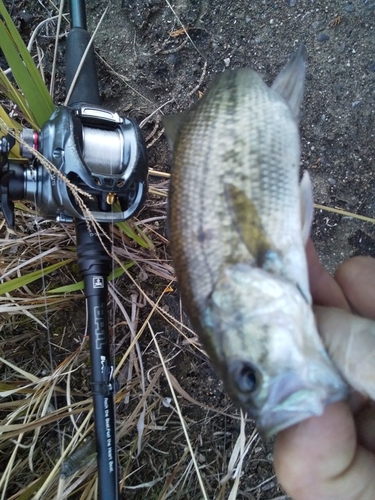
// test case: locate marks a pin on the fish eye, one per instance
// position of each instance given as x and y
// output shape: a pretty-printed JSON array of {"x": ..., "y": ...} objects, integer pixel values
[{"x": 245, "y": 376}]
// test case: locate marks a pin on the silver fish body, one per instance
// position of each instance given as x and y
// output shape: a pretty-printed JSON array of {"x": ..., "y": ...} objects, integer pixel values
[{"x": 237, "y": 245}]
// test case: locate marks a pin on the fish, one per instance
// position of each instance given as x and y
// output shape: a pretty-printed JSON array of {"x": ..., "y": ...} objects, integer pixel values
[{"x": 238, "y": 222}]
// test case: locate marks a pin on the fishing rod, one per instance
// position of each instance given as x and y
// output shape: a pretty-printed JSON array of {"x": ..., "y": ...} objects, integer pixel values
[{"x": 103, "y": 155}]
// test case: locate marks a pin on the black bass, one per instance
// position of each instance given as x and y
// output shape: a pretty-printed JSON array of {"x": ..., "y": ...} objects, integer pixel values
[{"x": 238, "y": 224}]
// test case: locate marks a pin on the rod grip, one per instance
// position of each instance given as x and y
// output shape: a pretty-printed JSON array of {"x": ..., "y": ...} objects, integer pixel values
[{"x": 86, "y": 89}]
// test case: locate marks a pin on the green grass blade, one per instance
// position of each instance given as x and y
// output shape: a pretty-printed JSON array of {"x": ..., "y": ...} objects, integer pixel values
[
  {"x": 15, "y": 283},
  {"x": 21, "y": 206},
  {"x": 79, "y": 286},
  {"x": 24, "y": 70},
  {"x": 29, "y": 491},
  {"x": 140, "y": 238},
  {"x": 7, "y": 387},
  {"x": 137, "y": 234},
  {"x": 26, "y": 57},
  {"x": 16, "y": 97},
  {"x": 24, "y": 79}
]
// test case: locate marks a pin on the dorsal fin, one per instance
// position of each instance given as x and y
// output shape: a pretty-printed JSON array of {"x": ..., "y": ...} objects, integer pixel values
[
  {"x": 290, "y": 81},
  {"x": 172, "y": 125}
]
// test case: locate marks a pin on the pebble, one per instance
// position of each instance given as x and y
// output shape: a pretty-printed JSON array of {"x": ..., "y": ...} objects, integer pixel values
[
  {"x": 332, "y": 181},
  {"x": 322, "y": 37},
  {"x": 291, "y": 3},
  {"x": 349, "y": 7},
  {"x": 372, "y": 66}
]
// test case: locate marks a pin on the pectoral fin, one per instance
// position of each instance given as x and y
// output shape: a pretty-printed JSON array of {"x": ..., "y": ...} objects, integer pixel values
[
  {"x": 249, "y": 226},
  {"x": 172, "y": 125}
]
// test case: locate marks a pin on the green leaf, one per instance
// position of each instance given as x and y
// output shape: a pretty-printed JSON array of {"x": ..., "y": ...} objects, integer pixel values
[
  {"x": 25, "y": 72},
  {"x": 15, "y": 387},
  {"x": 8, "y": 387},
  {"x": 15, "y": 283},
  {"x": 79, "y": 286},
  {"x": 16, "y": 97},
  {"x": 21, "y": 206},
  {"x": 140, "y": 238},
  {"x": 30, "y": 490}
]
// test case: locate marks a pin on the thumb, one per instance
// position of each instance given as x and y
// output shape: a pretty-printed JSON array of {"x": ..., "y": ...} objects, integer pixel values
[
  {"x": 350, "y": 342},
  {"x": 319, "y": 458}
]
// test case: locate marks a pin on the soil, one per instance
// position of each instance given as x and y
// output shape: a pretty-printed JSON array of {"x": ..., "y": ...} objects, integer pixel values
[
  {"x": 163, "y": 68},
  {"x": 337, "y": 135}
]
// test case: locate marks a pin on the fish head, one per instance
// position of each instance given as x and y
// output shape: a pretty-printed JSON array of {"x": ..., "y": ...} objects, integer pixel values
[{"x": 267, "y": 349}]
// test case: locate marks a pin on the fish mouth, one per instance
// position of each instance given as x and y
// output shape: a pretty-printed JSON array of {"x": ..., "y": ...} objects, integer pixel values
[
  {"x": 292, "y": 399},
  {"x": 300, "y": 406}
]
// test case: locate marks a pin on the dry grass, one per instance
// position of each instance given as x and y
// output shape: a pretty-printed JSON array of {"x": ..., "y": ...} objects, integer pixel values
[{"x": 46, "y": 409}]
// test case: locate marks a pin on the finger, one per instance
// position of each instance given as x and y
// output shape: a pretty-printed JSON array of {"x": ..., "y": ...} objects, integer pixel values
[
  {"x": 350, "y": 342},
  {"x": 324, "y": 289},
  {"x": 319, "y": 458},
  {"x": 356, "y": 277},
  {"x": 365, "y": 423}
]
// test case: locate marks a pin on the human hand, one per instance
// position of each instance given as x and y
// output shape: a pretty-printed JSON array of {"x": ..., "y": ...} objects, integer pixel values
[{"x": 333, "y": 456}]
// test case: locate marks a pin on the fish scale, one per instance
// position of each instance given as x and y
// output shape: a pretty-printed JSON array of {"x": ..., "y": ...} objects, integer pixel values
[
  {"x": 236, "y": 229},
  {"x": 197, "y": 194}
]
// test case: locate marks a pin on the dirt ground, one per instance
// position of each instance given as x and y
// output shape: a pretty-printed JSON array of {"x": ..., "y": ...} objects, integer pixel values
[
  {"x": 337, "y": 132},
  {"x": 162, "y": 68}
]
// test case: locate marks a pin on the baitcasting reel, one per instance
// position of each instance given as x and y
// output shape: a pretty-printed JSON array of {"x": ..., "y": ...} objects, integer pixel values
[{"x": 95, "y": 149}]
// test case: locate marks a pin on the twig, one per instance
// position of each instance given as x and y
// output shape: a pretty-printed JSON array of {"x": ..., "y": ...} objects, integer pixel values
[
  {"x": 200, "y": 80},
  {"x": 156, "y": 138},
  {"x": 174, "y": 49},
  {"x": 143, "y": 122},
  {"x": 156, "y": 173},
  {"x": 183, "y": 27},
  {"x": 345, "y": 213},
  {"x": 53, "y": 72}
]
